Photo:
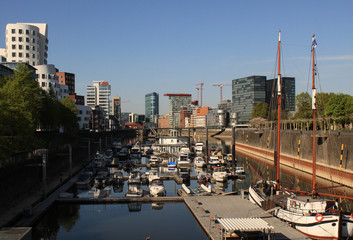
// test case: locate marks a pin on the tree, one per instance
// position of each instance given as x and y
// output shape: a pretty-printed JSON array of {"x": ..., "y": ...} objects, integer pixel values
[
  {"x": 340, "y": 106},
  {"x": 20, "y": 100},
  {"x": 68, "y": 116},
  {"x": 260, "y": 110},
  {"x": 303, "y": 103}
]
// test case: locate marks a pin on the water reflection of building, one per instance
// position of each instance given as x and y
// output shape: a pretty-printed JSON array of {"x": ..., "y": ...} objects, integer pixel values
[{"x": 172, "y": 143}]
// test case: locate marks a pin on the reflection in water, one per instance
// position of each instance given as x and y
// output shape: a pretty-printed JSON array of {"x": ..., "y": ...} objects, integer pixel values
[{"x": 117, "y": 221}]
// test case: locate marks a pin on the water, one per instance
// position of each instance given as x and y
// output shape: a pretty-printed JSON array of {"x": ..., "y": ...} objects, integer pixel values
[{"x": 118, "y": 221}]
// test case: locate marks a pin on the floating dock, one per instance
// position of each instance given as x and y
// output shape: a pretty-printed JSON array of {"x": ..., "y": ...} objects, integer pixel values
[{"x": 207, "y": 209}]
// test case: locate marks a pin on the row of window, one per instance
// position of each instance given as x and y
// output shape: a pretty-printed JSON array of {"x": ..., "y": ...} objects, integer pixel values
[
  {"x": 22, "y": 55},
  {"x": 20, "y": 31},
  {"x": 46, "y": 76},
  {"x": 21, "y": 39},
  {"x": 33, "y": 48}
]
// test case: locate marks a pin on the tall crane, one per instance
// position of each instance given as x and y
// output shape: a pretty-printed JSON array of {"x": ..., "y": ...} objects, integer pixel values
[
  {"x": 220, "y": 87},
  {"x": 200, "y": 84}
]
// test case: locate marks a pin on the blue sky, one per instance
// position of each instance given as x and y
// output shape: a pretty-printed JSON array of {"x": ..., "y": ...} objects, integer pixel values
[{"x": 168, "y": 46}]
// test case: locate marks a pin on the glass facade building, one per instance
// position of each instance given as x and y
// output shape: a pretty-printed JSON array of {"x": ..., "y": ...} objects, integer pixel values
[
  {"x": 151, "y": 105},
  {"x": 246, "y": 93},
  {"x": 176, "y": 101},
  {"x": 288, "y": 93}
]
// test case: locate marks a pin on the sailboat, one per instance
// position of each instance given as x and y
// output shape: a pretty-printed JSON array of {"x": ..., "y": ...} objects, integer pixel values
[{"x": 315, "y": 217}]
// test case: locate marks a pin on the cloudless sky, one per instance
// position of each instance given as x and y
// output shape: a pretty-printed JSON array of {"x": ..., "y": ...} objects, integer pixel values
[{"x": 168, "y": 46}]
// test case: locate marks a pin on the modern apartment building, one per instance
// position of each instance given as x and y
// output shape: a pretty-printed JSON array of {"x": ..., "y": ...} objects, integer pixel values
[
  {"x": 26, "y": 42},
  {"x": 287, "y": 92},
  {"x": 98, "y": 94},
  {"x": 246, "y": 93},
  {"x": 68, "y": 79},
  {"x": 176, "y": 101},
  {"x": 151, "y": 106},
  {"x": 48, "y": 80}
]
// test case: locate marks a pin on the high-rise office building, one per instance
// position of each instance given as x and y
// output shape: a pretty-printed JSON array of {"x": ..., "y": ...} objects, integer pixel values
[
  {"x": 99, "y": 94},
  {"x": 116, "y": 110},
  {"x": 151, "y": 106},
  {"x": 176, "y": 101},
  {"x": 246, "y": 93},
  {"x": 288, "y": 93},
  {"x": 26, "y": 42}
]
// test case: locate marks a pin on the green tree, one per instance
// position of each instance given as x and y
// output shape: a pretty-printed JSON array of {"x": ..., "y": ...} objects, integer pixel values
[
  {"x": 303, "y": 103},
  {"x": 68, "y": 116},
  {"x": 340, "y": 106},
  {"x": 260, "y": 110},
  {"x": 20, "y": 100}
]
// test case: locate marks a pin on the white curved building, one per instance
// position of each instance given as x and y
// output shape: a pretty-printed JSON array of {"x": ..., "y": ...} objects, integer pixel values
[
  {"x": 47, "y": 79},
  {"x": 26, "y": 42}
]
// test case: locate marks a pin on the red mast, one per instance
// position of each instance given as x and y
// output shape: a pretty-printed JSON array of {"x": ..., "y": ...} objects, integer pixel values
[
  {"x": 279, "y": 101},
  {"x": 313, "y": 107}
]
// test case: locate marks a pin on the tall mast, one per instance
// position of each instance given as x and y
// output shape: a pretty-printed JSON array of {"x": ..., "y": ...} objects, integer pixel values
[
  {"x": 279, "y": 99},
  {"x": 313, "y": 107}
]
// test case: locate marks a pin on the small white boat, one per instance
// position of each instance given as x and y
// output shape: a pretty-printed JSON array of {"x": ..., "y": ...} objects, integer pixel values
[
  {"x": 199, "y": 162},
  {"x": 183, "y": 158},
  {"x": 134, "y": 190},
  {"x": 220, "y": 174},
  {"x": 157, "y": 188},
  {"x": 214, "y": 161},
  {"x": 199, "y": 149},
  {"x": 134, "y": 177},
  {"x": 239, "y": 170},
  {"x": 135, "y": 152},
  {"x": 153, "y": 174},
  {"x": 154, "y": 160}
]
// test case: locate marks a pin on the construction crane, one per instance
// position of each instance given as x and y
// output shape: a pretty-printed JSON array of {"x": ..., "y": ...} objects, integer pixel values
[
  {"x": 220, "y": 87},
  {"x": 200, "y": 84}
]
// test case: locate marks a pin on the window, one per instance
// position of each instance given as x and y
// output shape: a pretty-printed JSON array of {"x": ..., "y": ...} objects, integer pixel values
[
  {"x": 27, "y": 47},
  {"x": 20, "y": 31},
  {"x": 33, "y": 63},
  {"x": 13, "y": 46},
  {"x": 33, "y": 48},
  {"x": 33, "y": 33},
  {"x": 27, "y": 39},
  {"x": 33, "y": 56},
  {"x": 43, "y": 84},
  {"x": 20, "y": 47},
  {"x": 13, "y": 39},
  {"x": 20, "y": 54},
  {"x": 13, "y": 54},
  {"x": 20, "y": 39},
  {"x": 13, "y": 30},
  {"x": 27, "y": 31},
  {"x": 43, "y": 76},
  {"x": 33, "y": 40},
  {"x": 27, "y": 55}
]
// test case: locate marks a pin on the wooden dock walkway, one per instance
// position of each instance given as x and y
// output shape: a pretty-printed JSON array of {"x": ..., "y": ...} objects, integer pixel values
[{"x": 206, "y": 209}]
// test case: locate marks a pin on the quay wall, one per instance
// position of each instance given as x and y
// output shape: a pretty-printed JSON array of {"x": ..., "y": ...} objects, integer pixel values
[{"x": 330, "y": 165}]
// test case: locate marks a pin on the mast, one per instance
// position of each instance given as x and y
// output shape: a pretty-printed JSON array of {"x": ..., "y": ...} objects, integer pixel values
[
  {"x": 279, "y": 100},
  {"x": 313, "y": 107}
]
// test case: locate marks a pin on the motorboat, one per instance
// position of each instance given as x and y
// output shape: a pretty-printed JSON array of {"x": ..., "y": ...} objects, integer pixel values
[
  {"x": 199, "y": 162},
  {"x": 172, "y": 164},
  {"x": 157, "y": 188},
  {"x": 134, "y": 177},
  {"x": 134, "y": 190},
  {"x": 183, "y": 158},
  {"x": 84, "y": 180},
  {"x": 154, "y": 160},
  {"x": 123, "y": 154},
  {"x": 108, "y": 154},
  {"x": 239, "y": 170},
  {"x": 118, "y": 178},
  {"x": 100, "y": 179},
  {"x": 199, "y": 149},
  {"x": 135, "y": 152},
  {"x": 214, "y": 161},
  {"x": 219, "y": 174},
  {"x": 153, "y": 174}
]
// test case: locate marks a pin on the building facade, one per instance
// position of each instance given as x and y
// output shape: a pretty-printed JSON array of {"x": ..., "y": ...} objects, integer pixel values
[
  {"x": 151, "y": 106},
  {"x": 48, "y": 80},
  {"x": 98, "y": 94},
  {"x": 26, "y": 42},
  {"x": 246, "y": 93},
  {"x": 67, "y": 79},
  {"x": 287, "y": 91},
  {"x": 176, "y": 101},
  {"x": 116, "y": 111}
]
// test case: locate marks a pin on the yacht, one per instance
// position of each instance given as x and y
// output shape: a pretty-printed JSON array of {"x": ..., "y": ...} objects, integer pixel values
[
  {"x": 199, "y": 162},
  {"x": 220, "y": 174},
  {"x": 157, "y": 188}
]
